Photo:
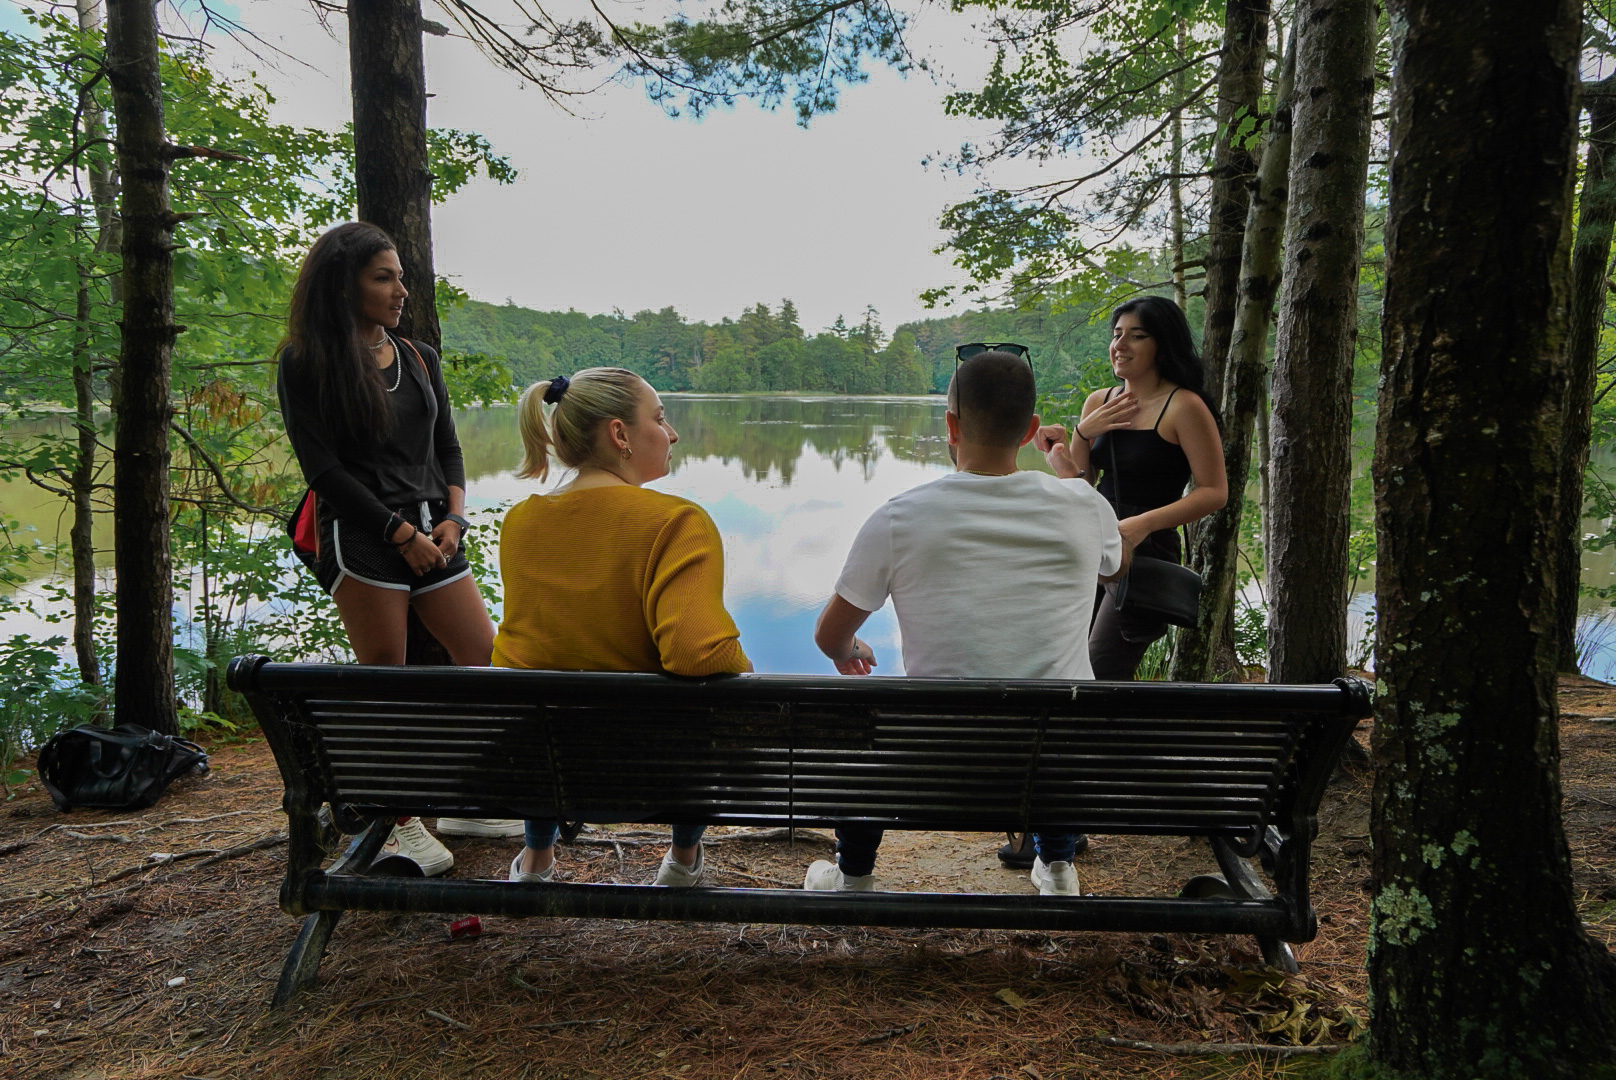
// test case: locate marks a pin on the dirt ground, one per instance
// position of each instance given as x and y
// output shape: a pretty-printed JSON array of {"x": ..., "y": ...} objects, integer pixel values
[{"x": 116, "y": 964}]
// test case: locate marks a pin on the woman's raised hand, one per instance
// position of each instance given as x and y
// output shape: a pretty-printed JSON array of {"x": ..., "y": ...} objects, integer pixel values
[{"x": 1112, "y": 415}]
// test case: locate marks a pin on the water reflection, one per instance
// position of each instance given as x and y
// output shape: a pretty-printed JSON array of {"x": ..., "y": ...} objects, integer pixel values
[{"x": 788, "y": 482}]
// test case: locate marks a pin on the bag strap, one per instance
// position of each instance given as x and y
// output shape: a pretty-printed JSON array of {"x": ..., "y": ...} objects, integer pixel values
[
  {"x": 49, "y": 755},
  {"x": 418, "y": 357},
  {"x": 1116, "y": 473}
]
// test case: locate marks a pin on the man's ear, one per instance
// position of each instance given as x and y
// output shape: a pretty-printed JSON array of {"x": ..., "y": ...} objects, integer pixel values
[
  {"x": 1032, "y": 429},
  {"x": 953, "y": 429}
]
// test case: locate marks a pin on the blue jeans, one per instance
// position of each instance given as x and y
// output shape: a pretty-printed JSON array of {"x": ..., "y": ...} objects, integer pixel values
[
  {"x": 856, "y": 846},
  {"x": 542, "y": 834}
]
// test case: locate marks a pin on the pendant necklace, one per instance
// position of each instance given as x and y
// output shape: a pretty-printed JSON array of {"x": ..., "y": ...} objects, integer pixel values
[{"x": 398, "y": 365}]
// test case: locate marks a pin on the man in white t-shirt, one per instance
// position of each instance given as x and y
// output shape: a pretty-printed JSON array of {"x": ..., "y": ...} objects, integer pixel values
[{"x": 992, "y": 575}]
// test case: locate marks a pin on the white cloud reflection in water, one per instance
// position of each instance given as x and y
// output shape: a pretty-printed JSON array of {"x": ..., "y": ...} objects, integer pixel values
[{"x": 788, "y": 512}]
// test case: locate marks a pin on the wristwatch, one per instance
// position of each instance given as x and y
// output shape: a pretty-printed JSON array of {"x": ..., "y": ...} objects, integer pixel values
[{"x": 465, "y": 526}]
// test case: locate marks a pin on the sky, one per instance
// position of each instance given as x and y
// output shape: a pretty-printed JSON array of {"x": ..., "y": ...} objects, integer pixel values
[{"x": 622, "y": 207}]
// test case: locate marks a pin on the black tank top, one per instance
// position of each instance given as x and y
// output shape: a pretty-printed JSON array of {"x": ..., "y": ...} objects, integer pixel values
[{"x": 1153, "y": 470}]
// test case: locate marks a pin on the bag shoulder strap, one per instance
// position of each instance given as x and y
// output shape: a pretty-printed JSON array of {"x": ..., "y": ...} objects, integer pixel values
[{"x": 419, "y": 359}]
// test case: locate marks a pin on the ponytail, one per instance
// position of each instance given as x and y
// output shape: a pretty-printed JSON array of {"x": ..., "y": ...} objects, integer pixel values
[{"x": 582, "y": 404}]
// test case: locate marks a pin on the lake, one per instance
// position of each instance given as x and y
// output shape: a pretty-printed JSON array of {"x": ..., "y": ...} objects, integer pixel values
[{"x": 788, "y": 480}]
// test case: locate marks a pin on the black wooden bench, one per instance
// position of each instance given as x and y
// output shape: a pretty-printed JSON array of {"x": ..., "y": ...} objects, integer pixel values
[{"x": 1244, "y": 765}]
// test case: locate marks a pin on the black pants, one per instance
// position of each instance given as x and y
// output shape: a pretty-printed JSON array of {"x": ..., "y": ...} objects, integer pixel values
[{"x": 1118, "y": 640}]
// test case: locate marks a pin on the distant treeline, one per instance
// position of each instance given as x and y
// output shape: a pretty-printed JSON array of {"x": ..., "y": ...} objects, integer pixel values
[{"x": 767, "y": 349}]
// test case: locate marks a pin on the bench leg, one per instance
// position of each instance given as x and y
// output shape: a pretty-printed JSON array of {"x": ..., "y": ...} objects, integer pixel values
[
  {"x": 303, "y": 962},
  {"x": 1242, "y": 882}
]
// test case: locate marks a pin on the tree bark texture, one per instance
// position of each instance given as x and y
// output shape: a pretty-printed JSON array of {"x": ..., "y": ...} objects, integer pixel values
[
  {"x": 1310, "y": 470},
  {"x": 1590, "y": 260},
  {"x": 388, "y": 70},
  {"x": 144, "y": 691},
  {"x": 81, "y": 536},
  {"x": 1478, "y": 965},
  {"x": 1216, "y": 542},
  {"x": 1234, "y": 163},
  {"x": 1175, "y": 188}
]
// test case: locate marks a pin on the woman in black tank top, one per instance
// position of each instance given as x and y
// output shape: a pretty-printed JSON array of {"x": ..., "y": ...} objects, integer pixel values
[{"x": 1142, "y": 442}]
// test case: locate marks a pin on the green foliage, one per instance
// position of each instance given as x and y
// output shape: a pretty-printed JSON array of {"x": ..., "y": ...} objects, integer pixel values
[
  {"x": 767, "y": 50},
  {"x": 767, "y": 350},
  {"x": 39, "y": 696}
]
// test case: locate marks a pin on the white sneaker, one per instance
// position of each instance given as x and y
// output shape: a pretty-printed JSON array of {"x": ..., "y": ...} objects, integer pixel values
[
  {"x": 503, "y": 828},
  {"x": 411, "y": 841},
  {"x": 1054, "y": 879},
  {"x": 826, "y": 876},
  {"x": 518, "y": 874},
  {"x": 677, "y": 874}
]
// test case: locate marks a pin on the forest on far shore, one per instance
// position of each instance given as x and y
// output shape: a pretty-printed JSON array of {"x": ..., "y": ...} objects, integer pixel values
[{"x": 767, "y": 349}]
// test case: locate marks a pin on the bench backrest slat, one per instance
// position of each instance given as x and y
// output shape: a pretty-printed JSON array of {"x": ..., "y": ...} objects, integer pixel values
[{"x": 785, "y": 750}]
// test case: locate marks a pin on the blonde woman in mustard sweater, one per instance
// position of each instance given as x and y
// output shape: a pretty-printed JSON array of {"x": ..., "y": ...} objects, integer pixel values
[{"x": 602, "y": 574}]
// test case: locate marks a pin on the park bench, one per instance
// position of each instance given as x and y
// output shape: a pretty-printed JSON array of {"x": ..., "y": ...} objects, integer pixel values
[{"x": 1243, "y": 765}]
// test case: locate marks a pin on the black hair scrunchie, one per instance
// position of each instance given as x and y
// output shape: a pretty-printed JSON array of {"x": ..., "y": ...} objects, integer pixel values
[{"x": 558, "y": 387}]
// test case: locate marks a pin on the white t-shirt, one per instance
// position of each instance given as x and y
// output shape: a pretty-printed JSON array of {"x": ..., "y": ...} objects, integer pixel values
[{"x": 991, "y": 576}]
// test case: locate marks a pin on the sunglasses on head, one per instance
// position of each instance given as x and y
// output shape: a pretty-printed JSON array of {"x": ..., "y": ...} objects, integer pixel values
[{"x": 977, "y": 348}]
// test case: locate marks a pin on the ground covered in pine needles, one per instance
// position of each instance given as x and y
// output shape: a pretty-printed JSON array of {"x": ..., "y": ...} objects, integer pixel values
[{"x": 146, "y": 945}]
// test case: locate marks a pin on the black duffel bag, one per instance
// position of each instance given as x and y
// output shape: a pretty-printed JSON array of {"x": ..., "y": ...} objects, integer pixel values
[{"x": 123, "y": 768}]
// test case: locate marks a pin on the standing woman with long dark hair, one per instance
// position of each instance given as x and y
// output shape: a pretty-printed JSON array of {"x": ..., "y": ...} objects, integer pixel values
[
  {"x": 367, "y": 413},
  {"x": 1143, "y": 442}
]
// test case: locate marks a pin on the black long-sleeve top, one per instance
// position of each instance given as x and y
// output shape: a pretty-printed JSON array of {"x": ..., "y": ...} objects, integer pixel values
[{"x": 364, "y": 479}]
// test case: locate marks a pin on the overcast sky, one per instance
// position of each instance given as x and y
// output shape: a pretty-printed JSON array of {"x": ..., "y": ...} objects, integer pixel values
[{"x": 623, "y": 207}]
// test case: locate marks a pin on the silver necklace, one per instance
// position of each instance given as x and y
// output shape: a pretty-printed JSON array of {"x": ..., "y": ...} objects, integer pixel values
[{"x": 398, "y": 366}]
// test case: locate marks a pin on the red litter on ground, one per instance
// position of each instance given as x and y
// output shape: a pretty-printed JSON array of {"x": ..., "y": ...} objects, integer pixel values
[{"x": 470, "y": 926}]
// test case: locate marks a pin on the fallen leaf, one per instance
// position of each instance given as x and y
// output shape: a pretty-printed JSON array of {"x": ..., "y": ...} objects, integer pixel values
[
  {"x": 1011, "y": 998},
  {"x": 1032, "y": 1071}
]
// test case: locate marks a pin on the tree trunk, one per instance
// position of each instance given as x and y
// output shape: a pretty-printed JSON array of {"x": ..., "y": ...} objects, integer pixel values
[
  {"x": 388, "y": 70},
  {"x": 1175, "y": 189},
  {"x": 1240, "y": 85},
  {"x": 1216, "y": 543},
  {"x": 1311, "y": 444},
  {"x": 1590, "y": 258},
  {"x": 387, "y": 65},
  {"x": 145, "y": 673},
  {"x": 1478, "y": 964},
  {"x": 81, "y": 535}
]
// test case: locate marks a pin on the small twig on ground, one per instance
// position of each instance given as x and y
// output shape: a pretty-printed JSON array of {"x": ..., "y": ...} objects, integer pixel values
[
  {"x": 614, "y": 842},
  {"x": 210, "y": 817},
  {"x": 447, "y": 1019},
  {"x": 209, "y": 856},
  {"x": 272, "y": 840},
  {"x": 567, "y": 1023},
  {"x": 116, "y": 838},
  {"x": 757, "y": 877},
  {"x": 1196, "y": 1049},
  {"x": 87, "y": 825},
  {"x": 363, "y": 1005},
  {"x": 889, "y": 1033}
]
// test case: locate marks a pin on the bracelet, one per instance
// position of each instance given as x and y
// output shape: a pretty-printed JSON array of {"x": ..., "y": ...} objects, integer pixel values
[
  {"x": 465, "y": 525},
  {"x": 408, "y": 540},
  {"x": 1077, "y": 429},
  {"x": 394, "y": 520}
]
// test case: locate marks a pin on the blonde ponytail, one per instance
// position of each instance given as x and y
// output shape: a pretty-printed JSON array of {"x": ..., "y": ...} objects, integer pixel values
[{"x": 584, "y": 402}]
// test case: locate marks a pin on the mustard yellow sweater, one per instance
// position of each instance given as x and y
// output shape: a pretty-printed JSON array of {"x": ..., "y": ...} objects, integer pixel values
[{"x": 614, "y": 579}]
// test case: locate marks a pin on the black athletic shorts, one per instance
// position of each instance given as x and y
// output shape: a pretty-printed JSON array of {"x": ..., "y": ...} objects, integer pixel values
[{"x": 361, "y": 554}]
